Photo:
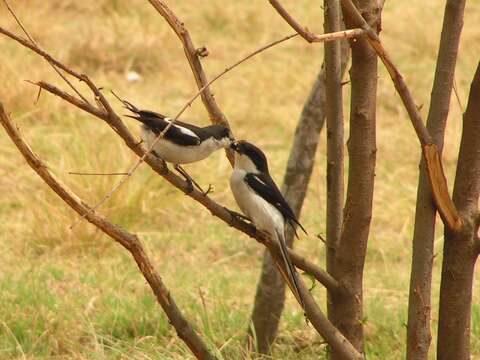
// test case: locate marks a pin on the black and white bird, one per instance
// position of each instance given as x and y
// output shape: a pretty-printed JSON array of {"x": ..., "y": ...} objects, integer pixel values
[
  {"x": 259, "y": 198},
  {"x": 182, "y": 143}
]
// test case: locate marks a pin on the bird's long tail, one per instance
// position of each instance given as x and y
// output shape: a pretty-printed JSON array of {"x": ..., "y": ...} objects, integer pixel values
[{"x": 288, "y": 271}]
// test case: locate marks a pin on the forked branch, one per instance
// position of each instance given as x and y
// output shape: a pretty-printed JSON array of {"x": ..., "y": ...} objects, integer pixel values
[
  {"x": 128, "y": 240},
  {"x": 438, "y": 182},
  {"x": 336, "y": 340}
]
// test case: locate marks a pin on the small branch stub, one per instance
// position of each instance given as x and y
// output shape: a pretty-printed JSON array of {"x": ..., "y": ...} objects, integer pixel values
[{"x": 438, "y": 182}]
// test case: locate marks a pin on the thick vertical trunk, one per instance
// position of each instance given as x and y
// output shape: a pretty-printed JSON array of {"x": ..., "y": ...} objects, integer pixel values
[
  {"x": 418, "y": 331},
  {"x": 460, "y": 249},
  {"x": 335, "y": 140},
  {"x": 347, "y": 307},
  {"x": 456, "y": 296}
]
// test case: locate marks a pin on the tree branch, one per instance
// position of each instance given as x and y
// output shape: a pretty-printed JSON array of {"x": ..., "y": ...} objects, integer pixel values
[
  {"x": 127, "y": 240},
  {"x": 336, "y": 340},
  {"x": 418, "y": 330},
  {"x": 303, "y": 31},
  {"x": 191, "y": 53},
  {"x": 17, "y": 20},
  {"x": 335, "y": 137},
  {"x": 347, "y": 309},
  {"x": 443, "y": 201},
  {"x": 459, "y": 253}
]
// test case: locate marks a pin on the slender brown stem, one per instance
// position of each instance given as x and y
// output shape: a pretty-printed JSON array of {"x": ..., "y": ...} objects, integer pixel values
[
  {"x": 460, "y": 252},
  {"x": 192, "y": 55},
  {"x": 347, "y": 308},
  {"x": 95, "y": 174},
  {"x": 335, "y": 141},
  {"x": 127, "y": 240},
  {"x": 12, "y": 12},
  {"x": 303, "y": 31},
  {"x": 419, "y": 308}
]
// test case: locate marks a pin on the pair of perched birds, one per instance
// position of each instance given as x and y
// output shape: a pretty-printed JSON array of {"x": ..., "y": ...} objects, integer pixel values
[{"x": 254, "y": 190}]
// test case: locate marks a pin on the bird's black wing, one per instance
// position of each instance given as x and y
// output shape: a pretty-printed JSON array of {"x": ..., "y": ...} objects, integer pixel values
[
  {"x": 179, "y": 133},
  {"x": 264, "y": 186}
]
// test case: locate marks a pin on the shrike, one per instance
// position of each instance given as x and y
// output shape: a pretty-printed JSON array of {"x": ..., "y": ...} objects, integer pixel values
[
  {"x": 182, "y": 143},
  {"x": 259, "y": 198}
]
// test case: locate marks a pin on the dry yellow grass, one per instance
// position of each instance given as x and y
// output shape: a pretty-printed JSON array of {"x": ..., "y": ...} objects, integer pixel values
[{"x": 72, "y": 294}]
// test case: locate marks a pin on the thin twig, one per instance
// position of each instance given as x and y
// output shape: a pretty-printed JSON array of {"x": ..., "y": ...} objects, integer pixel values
[
  {"x": 126, "y": 239},
  {"x": 102, "y": 174},
  {"x": 12, "y": 12},
  {"x": 455, "y": 90},
  {"x": 302, "y": 31}
]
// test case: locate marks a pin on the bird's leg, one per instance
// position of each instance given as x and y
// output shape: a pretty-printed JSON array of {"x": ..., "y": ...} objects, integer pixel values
[
  {"x": 237, "y": 215},
  {"x": 165, "y": 170},
  {"x": 191, "y": 182}
]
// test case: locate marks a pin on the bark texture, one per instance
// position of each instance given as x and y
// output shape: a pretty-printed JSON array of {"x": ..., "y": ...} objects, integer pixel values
[
  {"x": 418, "y": 331},
  {"x": 347, "y": 307},
  {"x": 335, "y": 138},
  {"x": 270, "y": 295},
  {"x": 460, "y": 248}
]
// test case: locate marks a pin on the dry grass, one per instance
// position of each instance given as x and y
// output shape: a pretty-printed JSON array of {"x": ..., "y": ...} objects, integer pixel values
[{"x": 74, "y": 295}]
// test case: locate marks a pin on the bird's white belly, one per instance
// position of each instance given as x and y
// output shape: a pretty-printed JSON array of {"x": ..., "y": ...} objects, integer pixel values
[
  {"x": 264, "y": 215},
  {"x": 177, "y": 154}
]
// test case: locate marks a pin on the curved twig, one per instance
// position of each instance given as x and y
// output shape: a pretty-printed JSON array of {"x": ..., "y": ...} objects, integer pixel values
[
  {"x": 128, "y": 240},
  {"x": 17, "y": 20}
]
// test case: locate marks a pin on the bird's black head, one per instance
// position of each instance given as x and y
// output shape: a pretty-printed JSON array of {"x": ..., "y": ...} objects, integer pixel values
[
  {"x": 253, "y": 154},
  {"x": 223, "y": 132}
]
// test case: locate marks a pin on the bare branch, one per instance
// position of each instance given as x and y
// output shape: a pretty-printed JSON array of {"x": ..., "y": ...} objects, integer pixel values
[
  {"x": 95, "y": 174},
  {"x": 216, "y": 209},
  {"x": 335, "y": 134},
  {"x": 303, "y": 31},
  {"x": 10, "y": 9},
  {"x": 127, "y": 240},
  {"x": 191, "y": 53},
  {"x": 438, "y": 181},
  {"x": 418, "y": 330},
  {"x": 459, "y": 252},
  {"x": 314, "y": 314}
]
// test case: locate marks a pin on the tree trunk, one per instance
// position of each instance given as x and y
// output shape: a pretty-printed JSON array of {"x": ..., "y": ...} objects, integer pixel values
[
  {"x": 418, "y": 331},
  {"x": 335, "y": 140},
  {"x": 461, "y": 247},
  {"x": 347, "y": 307},
  {"x": 270, "y": 295}
]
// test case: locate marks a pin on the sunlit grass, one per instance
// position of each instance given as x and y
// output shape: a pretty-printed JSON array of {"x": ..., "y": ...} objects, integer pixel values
[{"x": 76, "y": 294}]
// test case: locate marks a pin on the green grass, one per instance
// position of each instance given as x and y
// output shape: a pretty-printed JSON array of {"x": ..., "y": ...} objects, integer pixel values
[{"x": 75, "y": 294}]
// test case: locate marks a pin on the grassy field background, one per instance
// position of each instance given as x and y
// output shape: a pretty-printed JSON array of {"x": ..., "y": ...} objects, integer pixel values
[{"x": 75, "y": 294}]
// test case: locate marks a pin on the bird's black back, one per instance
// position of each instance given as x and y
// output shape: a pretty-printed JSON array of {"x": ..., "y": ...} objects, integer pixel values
[
  {"x": 263, "y": 184},
  {"x": 157, "y": 122},
  {"x": 265, "y": 187}
]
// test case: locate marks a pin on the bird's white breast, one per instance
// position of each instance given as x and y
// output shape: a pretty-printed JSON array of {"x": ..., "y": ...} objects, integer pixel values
[
  {"x": 177, "y": 154},
  {"x": 264, "y": 215}
]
